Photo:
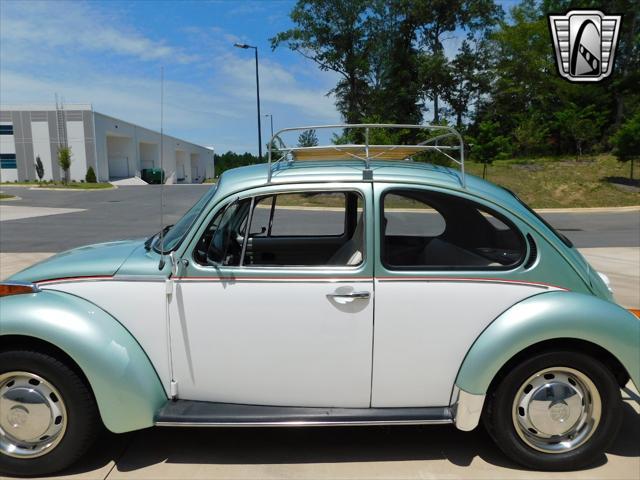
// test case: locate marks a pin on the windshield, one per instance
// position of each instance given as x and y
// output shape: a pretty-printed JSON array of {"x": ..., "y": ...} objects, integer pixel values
[
  {"x": 562, "y": 238},
  {"x": 174, "y": 236}
]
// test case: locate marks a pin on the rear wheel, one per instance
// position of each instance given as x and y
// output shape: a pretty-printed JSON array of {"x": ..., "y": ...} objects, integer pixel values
[
  {"x": 48, "y": 416},
  {"x": 555, "y": 411}
]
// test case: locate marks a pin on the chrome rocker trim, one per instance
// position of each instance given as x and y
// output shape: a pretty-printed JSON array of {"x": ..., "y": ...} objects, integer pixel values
[{"x": 185, "y": 413}]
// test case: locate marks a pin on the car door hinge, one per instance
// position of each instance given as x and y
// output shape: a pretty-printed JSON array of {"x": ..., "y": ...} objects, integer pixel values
[
  {"x": 169, "y": 286},
  {"x": 173, "y": 389}
]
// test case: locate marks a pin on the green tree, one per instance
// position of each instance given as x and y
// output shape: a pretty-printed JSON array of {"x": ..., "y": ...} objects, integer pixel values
[
  {"x": 308, "y": 138},
  {"x": 394, "y": 83},
  {"x": 531, "y": 136},
  {"x": 436, "y": 79},
  {"x": 439, "y": 18},
  {"x": 524, "y": 73},
  {"x": 230, "y": 160},
  {"x": 39, "y": 168},
  {"x": 334, "y": 34},
  {"x": 581, "y": 125},
  {"x": 467, "y": 79},
  {"x": 90, "y": 177},
  {"x": 64, "y": 161},
  {"x": 276, "y": 153},
  {"x": 626, "y": 141},
  {"x": 489, "y": 145}
]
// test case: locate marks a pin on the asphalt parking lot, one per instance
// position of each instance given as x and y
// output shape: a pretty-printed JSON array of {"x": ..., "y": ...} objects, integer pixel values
[
  {"x": 131, "y": 212},
  {"x": 46, "y": 222}
]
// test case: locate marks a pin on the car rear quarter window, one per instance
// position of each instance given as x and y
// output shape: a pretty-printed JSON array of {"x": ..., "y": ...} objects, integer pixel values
[{"x": 424, "y": 230}]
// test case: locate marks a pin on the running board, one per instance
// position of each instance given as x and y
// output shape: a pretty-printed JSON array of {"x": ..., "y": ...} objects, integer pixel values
[{"x": 187, "y": 413}]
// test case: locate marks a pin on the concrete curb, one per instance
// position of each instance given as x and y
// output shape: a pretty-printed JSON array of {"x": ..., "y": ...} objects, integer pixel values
[
  {"x": 113, "y": 187},
  {"x": 10, "y": 199},
  {"x": 632, "y": 208}
]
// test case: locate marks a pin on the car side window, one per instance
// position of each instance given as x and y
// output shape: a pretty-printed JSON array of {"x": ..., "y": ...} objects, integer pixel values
[
  {"x": 425, "y": 230},
  {"x": 323, "y": 228},
  {"x": 221, "y": 244}
]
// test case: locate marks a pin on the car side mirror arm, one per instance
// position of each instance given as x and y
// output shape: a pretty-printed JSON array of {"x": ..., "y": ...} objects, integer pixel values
[{"x": 175, "y": 264}]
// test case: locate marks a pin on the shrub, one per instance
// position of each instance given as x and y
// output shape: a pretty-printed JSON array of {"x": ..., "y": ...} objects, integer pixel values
[
  {"x": 626, "y": 142},
  {"x": 64, "y": 160},
  {"x": 90, "y": 177},
  {"x": 39, "y": 168}
]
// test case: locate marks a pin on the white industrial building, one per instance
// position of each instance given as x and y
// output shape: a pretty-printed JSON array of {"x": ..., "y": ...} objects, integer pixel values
[{"x": 114, "y": 148}]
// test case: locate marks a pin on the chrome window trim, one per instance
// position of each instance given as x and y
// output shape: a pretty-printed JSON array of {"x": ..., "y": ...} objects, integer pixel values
[{"x": 245, "y": 194}]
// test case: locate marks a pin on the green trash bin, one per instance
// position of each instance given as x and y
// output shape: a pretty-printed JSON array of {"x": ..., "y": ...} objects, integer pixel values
[{"x": 152, "y": 175}]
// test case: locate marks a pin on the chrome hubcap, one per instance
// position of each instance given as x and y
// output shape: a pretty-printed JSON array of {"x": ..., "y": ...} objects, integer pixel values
[
  {"x": 556, "y": 410},
  {"x": 33, "y": 416}
]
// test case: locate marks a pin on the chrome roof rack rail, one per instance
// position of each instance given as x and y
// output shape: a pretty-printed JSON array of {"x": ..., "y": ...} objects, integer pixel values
[{"x": 367, "y": 152}]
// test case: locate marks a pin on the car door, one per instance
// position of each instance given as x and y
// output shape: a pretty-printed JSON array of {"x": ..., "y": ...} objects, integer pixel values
[
  {"x": 261, "y": 322},
  {"x": 447, "y": 266}
]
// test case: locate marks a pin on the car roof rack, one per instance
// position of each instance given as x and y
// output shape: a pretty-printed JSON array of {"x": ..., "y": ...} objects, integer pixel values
[{"x": 367, "y": 152}]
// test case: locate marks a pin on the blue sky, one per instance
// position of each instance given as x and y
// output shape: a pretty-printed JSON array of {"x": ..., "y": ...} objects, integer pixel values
[{"x": 109, "y": 54}]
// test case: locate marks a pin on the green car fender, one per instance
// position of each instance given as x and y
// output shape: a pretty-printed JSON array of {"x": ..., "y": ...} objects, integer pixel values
[
  {"x": 549, "y": 316},
  {"x": 126, "y": 386}
]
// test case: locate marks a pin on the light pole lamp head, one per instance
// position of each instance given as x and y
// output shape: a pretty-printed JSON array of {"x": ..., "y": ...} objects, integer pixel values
[{"x": 242, "y": 45}]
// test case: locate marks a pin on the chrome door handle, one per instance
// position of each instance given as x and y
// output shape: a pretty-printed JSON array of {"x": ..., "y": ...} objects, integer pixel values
[{"x": 352, "y": 295}]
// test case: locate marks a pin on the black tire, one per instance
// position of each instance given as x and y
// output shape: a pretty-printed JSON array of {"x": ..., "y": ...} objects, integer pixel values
[
  {"x": 83, "y": 421},
  {"x": 498, "y": 420}
]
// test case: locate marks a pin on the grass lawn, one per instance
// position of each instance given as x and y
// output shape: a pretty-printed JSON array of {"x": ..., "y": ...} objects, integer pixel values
[
  {"x": 4, "y": 196},
  {"x": 591, "y": 181},
  {"x": 74, "y": 185}
]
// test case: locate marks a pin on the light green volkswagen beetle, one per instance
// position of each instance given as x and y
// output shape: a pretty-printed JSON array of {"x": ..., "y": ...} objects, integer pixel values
[{"x": 336, "y": 286}]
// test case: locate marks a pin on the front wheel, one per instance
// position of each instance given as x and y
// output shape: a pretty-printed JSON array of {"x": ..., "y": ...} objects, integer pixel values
[
  {"x": 555, "y": 411},
  {"x": 48, "y": 416}
]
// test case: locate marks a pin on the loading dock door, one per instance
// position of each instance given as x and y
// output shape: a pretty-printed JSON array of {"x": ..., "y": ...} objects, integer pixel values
[
  {"x": 118, "y": 167},
  {"x": 180, "y": 171},
  {"x": 146, "y": 164}
]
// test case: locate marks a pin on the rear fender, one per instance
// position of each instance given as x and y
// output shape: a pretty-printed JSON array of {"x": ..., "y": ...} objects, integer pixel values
[{"x": 548, "y": 316}]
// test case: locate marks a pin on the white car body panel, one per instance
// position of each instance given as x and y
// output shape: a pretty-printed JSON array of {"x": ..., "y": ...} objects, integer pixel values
[
  {"x": 272, "y": 342},
  {"x": 423, "y": 330},
  {"x": 140, "y": 306}
]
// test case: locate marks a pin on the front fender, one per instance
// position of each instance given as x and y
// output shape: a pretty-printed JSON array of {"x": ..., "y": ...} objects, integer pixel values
[
  {"x": 548, "y": 316},
  {"x": 126, "y": 387}
]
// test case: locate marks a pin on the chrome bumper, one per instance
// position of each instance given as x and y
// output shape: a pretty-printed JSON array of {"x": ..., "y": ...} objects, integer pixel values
[{"x": 468, "y": 409}]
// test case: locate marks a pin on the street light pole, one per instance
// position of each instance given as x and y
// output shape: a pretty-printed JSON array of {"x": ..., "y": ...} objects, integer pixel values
[
  {"x": 245, "y": 46},
  {"x": 271, "y": 119}
]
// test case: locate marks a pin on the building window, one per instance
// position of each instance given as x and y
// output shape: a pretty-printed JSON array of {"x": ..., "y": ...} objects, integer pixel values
[
  {"x": 8, "y": 160},
  {"x": 6, "y": 129}
]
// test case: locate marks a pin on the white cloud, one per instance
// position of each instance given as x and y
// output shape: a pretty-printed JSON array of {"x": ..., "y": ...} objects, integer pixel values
[
  {"x": 277, "y": 86},
  {"x": 69, "y": 27},
  {"x": 89, "y": 55}
]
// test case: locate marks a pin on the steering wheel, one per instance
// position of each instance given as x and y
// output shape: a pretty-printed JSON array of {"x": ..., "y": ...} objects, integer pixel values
[{"x": 223, "y": 245}]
